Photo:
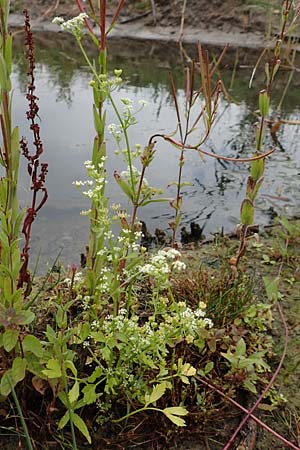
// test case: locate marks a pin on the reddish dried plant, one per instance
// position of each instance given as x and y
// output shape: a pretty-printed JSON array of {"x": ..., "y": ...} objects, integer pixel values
[{"x": 36, "y": 171}]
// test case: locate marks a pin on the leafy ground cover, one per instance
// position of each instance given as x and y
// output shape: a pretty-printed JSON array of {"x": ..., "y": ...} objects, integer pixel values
[{"x": 235, "y": 353}]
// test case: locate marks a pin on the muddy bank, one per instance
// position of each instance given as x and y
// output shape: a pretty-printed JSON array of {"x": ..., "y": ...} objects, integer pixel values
[{"x": 167, "y": 34}]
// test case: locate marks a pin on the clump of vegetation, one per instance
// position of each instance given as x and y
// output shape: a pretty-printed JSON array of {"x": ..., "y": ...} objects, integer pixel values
[{"x": 136, "y": 338}]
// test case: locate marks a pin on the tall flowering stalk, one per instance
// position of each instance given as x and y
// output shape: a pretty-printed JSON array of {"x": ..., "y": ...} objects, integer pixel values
[
  {"x": 103, "y": 86},
  {"x": 37, "y": 173},
  {"x": 10, "y": 216}
]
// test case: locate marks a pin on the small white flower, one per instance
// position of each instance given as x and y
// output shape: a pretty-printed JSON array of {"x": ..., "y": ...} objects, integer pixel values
[
  {"x": 179, "y": 265},
  {"x": 112, "y": 128},
  {"x": 78, "y": 183},
  {"x": 143, "y": 102},
  {"x": 86, "y": 212}
]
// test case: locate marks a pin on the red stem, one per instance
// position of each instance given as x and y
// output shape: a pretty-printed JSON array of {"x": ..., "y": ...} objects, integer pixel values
[
  {"x": 117, "y": 12},
  {"x": 258, "y": 421},
  {"x": 103, "y": 24},
  {"x": 271, "y": 382},
  {"x": 213, "y": 155},
  {"x": 87, "y": 22}
]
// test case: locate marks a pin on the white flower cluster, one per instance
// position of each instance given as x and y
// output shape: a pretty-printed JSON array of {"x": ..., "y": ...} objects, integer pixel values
[
  {"x": 97, "y": 183},
  {"x": 189, "y": 322},
  {"x": 145, "y": 345},
  {"x": 161, "y": 265},
  {"x": 77, "y": 278},
  {"x": 73, "y": 26}
]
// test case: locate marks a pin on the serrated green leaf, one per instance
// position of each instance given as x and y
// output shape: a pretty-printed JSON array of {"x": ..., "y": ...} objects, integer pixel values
[
  {"x": 98, "y": 372},
  {"x": 53, "y": 369},
  {"x": 90, "y": 395},
  {"x": 157, "y": 392},
  {"x": 250, "y": 386},
  {"x": 33, "y": 345},
  {"x": 10, "y": 339},
  {"x": 79, "y": 423}
]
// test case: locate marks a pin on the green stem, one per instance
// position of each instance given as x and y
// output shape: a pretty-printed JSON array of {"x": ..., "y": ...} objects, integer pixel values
[
  {"x": 145, "y": 408},
  {"x": 126, "y": 141},
  {"x": 24, "y": 426},
  {"x": 65, "y": 384}
]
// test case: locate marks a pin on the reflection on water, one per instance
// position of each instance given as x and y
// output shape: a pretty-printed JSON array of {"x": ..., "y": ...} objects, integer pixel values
[{"x": 67, "y": 130}]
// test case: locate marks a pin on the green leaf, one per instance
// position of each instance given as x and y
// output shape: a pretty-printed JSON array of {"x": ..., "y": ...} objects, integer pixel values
[
  {"x": 208, "y": 367},
  {"x": 240, "y": 349},
  {"x": 176, "y": 410},
  {"x": 33, "y": 345},
  {"x": 50, "y": 334},
  {"x": 155, "y": 200},
  {"x": 61, "y": 317},
  {"x": 53, "y": 369},
  {"x": 106, "y": 353},
  {"x": 15, "y": 147},
  {"x": 257, "y": 169},
  {"x": 8, "y": 53},
  {"x": 79, "y": 423},
  {"x": 3, "y": 74},
  {"x": 175, "y": 419},
  {"x": 98, "y": 123},
  {"x": 25, "y": 318},
  {"x": 64, "y": 420},
  {"x": 250, "y": 386},
  {"x": 157, "y": 392},
  {"x": 264, "y": 102},
  {"x": 18, "y": 369},
  {"x": 70, "y": 365},
  {"x": 10, "y": 339},
  {"x": 271, "y": 286},
  {"x": 63, "y": 398},
  {"x": 6, "y": 384},
  {"x": 98, "y": 372},
  {"x": 74, "y": 392},
  {"x": 124, "y": 186},
  {"x": 247, "y": 212},
  {"x": 90, "y": 395},
  {"x": 84, "y": 330}
]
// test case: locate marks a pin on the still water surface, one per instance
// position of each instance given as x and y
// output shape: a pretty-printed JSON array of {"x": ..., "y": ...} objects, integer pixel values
[{"x": 67, "y": 131}]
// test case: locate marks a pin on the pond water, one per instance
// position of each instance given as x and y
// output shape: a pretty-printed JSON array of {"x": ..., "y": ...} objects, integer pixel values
[{"x": 67, "y": 132}]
